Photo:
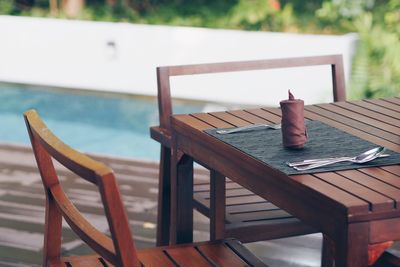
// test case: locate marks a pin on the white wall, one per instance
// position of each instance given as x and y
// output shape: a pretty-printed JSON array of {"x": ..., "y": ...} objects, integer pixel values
[{"x": 77, "y": 54}]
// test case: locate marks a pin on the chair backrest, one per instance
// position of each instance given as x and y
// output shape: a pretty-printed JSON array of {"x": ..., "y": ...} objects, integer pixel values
[
  {"x": 119, "y": 249},
  {"x": 164, "y": 74}
]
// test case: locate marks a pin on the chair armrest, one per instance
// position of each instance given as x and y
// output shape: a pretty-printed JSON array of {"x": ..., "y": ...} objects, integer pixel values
[{"x": 161, "y": 135}]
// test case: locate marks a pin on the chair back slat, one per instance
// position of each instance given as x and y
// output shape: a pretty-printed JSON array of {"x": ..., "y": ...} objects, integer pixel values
[
  {"x": 252, "y": 65},
  {"x": 120, "y": 250},
  {"x": 164, "y": 74},
  {"x": 99, "y": 242},
  {"x": 76, "y": 162}
]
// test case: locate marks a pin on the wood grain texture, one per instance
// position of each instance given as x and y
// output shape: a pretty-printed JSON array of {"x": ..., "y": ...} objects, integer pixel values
[
  {"x": 376, "y": 108},
  {"x": 355, "y": 207},
  {"x": 385, "y": 103},
  {"x": 119, "y": 250},
  {"x": 203, "y": 121},
  {"x": 370, "y": 113}
]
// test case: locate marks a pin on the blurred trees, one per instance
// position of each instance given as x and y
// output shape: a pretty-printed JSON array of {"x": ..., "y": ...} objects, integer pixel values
[{"x": 376, "y": 67}]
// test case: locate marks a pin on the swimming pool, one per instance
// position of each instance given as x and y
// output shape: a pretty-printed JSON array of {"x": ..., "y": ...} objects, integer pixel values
[{"x": 99, "y": 123}]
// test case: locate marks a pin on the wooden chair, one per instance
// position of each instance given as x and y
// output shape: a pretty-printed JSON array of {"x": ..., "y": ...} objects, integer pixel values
[
  {"x": 267, "y": 221},
  {"x": 119, "y": 250}
]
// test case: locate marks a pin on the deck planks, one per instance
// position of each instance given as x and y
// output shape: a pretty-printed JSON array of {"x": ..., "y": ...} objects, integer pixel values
[{"x": 22, "y": 212}]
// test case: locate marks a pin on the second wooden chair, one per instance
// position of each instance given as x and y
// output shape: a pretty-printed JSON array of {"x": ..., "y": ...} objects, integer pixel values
[{"x": 254, "y": 219}]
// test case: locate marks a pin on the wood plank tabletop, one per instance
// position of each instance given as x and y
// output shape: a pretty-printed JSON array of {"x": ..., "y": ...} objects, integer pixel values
[
  {"x": 357, "y": 209},
  {"x": 360, "y": 191}
]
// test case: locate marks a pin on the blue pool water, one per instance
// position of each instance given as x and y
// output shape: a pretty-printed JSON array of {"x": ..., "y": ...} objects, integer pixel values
[{"x": 107, "y": 124}]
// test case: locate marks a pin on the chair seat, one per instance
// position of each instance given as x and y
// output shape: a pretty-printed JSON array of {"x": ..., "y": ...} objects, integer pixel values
[
  {"x": 247, "y": 213},
  {"x": 228, "y": 253},
  {"x": 80, "y": 261}
]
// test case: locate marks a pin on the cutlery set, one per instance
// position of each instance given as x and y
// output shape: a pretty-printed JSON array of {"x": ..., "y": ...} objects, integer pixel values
[
  {"x": 367, "y": 156},
  {"x": 308, "y": 164}
]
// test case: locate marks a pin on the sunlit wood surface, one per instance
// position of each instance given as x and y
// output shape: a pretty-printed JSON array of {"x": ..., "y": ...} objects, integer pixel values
[{"x": 22, "y": 212}]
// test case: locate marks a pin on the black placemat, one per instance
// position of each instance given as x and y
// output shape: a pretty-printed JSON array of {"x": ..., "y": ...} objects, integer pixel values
[{"x": 323, "y": 141}]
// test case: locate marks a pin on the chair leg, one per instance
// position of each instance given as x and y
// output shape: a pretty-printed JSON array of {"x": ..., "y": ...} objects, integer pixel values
[
  {"x": 217, "y": 205},
  {"x": 387, "y": 259},
  {"x": 164, "y": 198},
  {"x": 327, "y": 257},
  {"x": 52, "y": 232},
  {"x": 376, "y": 250}
]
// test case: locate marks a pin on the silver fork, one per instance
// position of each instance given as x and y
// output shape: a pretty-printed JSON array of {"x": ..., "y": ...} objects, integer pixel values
[
  {"x": 249, "y": 127},
  {"x": 321, "y": 160},
  {"x": 359, "y": 159}
]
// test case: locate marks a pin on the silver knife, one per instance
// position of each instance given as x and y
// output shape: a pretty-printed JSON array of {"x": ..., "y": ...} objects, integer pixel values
[{"x": 313, "y": 161}]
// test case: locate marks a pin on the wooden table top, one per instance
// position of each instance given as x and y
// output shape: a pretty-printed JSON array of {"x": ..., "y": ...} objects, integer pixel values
[
  {"x": 363, "y": 194},
  {"x": 357, "y": 209}
]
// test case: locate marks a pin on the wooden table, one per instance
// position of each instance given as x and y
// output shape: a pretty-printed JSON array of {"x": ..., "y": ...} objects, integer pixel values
[{"x": 354, "y": 208}]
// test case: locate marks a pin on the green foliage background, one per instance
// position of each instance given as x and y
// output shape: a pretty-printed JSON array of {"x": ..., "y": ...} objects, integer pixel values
[{"x": 376, "y": 66}]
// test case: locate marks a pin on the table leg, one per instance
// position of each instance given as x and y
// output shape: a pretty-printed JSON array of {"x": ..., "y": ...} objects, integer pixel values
[
  {"x": 181, "y": 199},
  {"x": 217, "y": 205},
  {"x": 351, "y": 247},
  {"x": 327, "y": 255}
]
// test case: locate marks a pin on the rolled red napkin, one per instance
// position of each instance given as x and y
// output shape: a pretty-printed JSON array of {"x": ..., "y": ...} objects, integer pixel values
[{"x": 294, "y": 133}]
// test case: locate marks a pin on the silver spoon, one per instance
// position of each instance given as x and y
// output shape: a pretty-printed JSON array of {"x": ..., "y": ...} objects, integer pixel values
[
  {"x": 362, "y": 158},
  {"x": 248, "y": 127},
  {"x": 321, "y": 160}
]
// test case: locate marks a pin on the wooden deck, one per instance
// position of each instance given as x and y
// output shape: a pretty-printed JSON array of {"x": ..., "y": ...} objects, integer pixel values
[{"x": 22, "y": 212}]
